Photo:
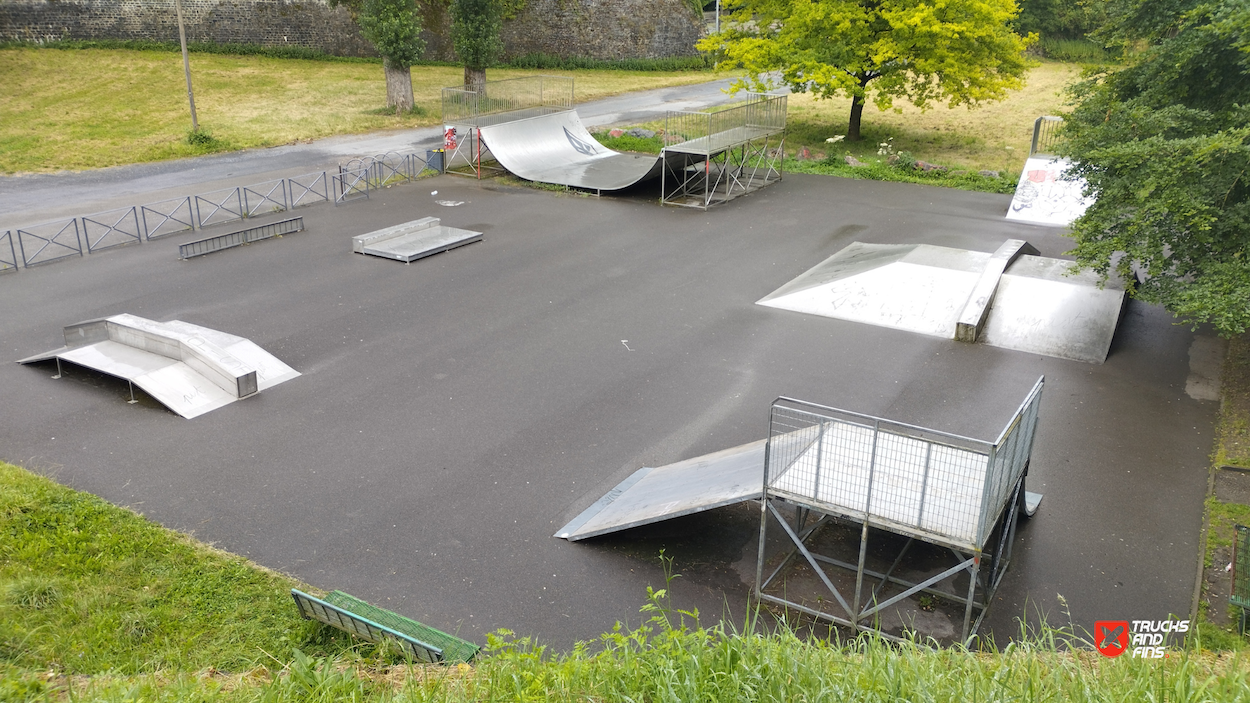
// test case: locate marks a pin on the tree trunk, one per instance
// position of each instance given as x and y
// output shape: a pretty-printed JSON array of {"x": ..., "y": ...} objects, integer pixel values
[
  {"x": 398, "y": 87},
  {"x": 857, "y": 112},
  {"x": 474, "y": 78}
]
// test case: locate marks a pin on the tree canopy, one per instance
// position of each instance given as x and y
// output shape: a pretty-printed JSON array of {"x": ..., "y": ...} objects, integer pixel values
[
  {"x": 394, "y": 29},
  {"x": 1164, "y": 146},
  {"x": 959, "y": 51},
  {"x": 475, "y": 26}
]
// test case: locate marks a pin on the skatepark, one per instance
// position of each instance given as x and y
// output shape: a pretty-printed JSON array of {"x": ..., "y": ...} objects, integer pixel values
[{"x": 452, "y": 414}]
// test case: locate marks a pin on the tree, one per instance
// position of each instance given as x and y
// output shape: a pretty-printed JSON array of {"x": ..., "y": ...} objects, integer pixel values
[
  {"x": 475, "y": 26},
  {"x": 394, "y": 29},
  {"x": 1164, "y": 147},
  {"x": 961, "y": 51}
]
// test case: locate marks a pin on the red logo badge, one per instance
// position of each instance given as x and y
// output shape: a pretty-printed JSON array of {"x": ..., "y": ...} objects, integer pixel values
[{"x": 1111, "y": 637}]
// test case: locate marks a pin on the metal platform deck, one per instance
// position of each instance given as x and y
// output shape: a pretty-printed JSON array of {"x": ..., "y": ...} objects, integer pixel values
[
  {"x": 413, "y": 240},
  {"x": 187, "y": 368}
]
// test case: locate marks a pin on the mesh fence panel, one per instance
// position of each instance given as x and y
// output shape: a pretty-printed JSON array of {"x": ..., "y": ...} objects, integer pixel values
[
  {"x": 525, "y": 96},
  {"x": 923, "y": 482},
  {"x": 1241, "y": 567}
]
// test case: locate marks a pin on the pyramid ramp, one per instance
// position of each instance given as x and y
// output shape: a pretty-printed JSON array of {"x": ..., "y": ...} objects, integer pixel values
[{"x": 187, "y": 368}]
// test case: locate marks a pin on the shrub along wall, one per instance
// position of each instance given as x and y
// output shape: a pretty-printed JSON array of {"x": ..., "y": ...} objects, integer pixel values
[{"x": 601, "y": 29}]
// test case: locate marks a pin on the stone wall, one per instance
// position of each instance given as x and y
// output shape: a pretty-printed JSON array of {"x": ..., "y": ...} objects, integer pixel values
[{"x": 603, "y": 29}]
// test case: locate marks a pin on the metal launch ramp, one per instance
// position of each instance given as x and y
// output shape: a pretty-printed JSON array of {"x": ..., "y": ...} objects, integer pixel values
[
  {"x": 189, "y": 369},
  {"x": 686, "y": 487},
  {"x": 1010, "y": 298},
  {"x": 413, "y": 240}
]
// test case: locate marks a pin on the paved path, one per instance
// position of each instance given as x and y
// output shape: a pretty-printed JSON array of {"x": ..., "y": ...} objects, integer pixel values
[{"x": 31, "y": 199}]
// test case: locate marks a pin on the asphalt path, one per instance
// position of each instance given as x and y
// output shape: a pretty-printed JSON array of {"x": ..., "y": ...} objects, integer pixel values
[
  {"x": 34, "y": 198},
  {"x": 455, "y": 412}
]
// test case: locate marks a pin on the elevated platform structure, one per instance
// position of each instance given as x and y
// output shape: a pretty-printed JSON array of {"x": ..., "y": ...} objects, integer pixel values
[
  {"x": 189, "y": 369},
  {"x": 413, "y": 240},
  {"x": 826, "y": 466},
  {"x": 1010, "y": 298},
  {"x": 723, "y": 153},
  {"x": 1045, "y": 195},
  {"x": 528, "y": 126}
]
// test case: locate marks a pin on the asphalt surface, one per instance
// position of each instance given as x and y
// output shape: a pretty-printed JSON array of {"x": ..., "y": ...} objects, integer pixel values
[
  {"x": 34, "y": 198},
  {"x": 453, "y": 413}
]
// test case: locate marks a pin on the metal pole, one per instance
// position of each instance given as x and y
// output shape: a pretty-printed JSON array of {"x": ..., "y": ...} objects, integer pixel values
[
  {"x": 718, "y": 16},
  {"x": 186, "y": 65}
]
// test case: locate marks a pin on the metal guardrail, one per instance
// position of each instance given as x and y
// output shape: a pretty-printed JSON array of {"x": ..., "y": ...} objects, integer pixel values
[
  {"x": 536, "y": 94},
  {"x": 50, "y": 237},
  {"x": 171, "y": 216},
  {"x": 711, "y": 131},
  {"x": 53, "y": 241},
  {"x": 1240, "y": 596},
  {"x": 1045, "y": 135},
  {"x": 208, "y": 245},
  {"x": 309, "y": 189},
  {"x": 8, "y": 262},
  {"x": 112, "y": 228}
]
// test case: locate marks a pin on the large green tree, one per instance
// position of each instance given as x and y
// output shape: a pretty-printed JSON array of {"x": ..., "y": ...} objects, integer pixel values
[
  {"x": 1164, "y": 146},
  {"x": 394, "y": 29},
  {"x": 960, "y": 51},
  {"x": 475, "y": 27}
]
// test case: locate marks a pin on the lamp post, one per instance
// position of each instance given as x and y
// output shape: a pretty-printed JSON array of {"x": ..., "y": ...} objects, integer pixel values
[
  {"x": 186, "y": 64},
  {"x": 718, "y": 16}
]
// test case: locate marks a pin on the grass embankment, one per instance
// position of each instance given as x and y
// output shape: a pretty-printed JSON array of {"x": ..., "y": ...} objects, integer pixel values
[
  {"x": 99, "y": 604},
  {"x": 993, "y": 137},
  {"x": 90, "y": 108}
]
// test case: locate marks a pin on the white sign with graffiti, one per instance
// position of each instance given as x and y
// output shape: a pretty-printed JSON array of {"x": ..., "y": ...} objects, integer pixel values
[{"x": 1045, "y": 197}]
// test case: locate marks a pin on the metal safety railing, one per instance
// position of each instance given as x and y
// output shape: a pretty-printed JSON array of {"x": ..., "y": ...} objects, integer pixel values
[
  {"x": 513, "y": 98},
  {"x": 264, "y": 198},
  {"x": 167, "y": 217},
  {"x": 1045, "y": 135},
  {"x": 309, "y": 189},
  {"x": 710, "y": 131},
  {"x": 208, "y": 245}
]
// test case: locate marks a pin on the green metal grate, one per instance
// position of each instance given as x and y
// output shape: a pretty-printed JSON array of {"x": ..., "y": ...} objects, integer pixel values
[
  {"x": 372, "y": 623},
  {"x": 1241, "y": 567}
]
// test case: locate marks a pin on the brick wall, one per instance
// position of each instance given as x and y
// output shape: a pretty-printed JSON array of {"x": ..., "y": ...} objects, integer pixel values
[{"x": 605, "y": 29}]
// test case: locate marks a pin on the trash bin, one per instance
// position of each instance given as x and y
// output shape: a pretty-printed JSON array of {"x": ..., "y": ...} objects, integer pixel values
[{"x": 434, "y": 159}]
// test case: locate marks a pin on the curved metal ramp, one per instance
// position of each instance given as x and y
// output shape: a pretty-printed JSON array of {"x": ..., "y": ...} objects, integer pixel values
[
  {"x": 557, "y": 148},
  {"x": 686, "y": 487},
  {"x": 189, "y": 369}
]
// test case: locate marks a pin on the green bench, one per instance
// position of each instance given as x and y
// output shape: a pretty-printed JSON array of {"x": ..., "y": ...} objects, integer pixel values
[
  {"x": 374, "y": 624},
  {"x": 1241, "y": 572}
]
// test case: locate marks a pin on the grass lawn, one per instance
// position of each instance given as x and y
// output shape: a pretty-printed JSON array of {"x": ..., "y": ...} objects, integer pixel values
[{"x": 77, "y": 109}]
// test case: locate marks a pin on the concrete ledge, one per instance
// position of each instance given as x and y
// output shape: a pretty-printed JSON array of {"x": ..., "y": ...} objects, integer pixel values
[{"x": 972, "y": 319}]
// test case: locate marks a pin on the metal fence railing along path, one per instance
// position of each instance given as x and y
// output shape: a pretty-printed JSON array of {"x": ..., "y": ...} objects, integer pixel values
[
  {"x": 308, "y": 189},
  {"x": 112, "y": 228},
  {"x": 350, "y": 185},
  {"x": 208, "y": 245},
  {"x": 263, "y": 198},
  {"x": 49, "y": 241},
  {"x": 961, "y": 494},
  {"x": 218, "y": 207},
  {"x": 8, "y": 253},
  {"x": 713, "y": 156},
  {"x": 167, "y": 217},
  {"x": 1240, "y": 596},
  {"x": 1045, "y": 135}
]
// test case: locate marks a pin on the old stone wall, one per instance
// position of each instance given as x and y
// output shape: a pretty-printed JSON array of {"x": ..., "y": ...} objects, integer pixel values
[{"x": 603, "y": 29}]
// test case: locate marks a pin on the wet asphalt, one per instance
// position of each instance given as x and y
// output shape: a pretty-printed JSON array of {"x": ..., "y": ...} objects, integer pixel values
[{"x": 455, "y": 412}]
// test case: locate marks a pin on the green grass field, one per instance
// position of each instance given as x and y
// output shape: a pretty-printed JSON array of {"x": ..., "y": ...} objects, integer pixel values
[{"x": 90, "y": 108}]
